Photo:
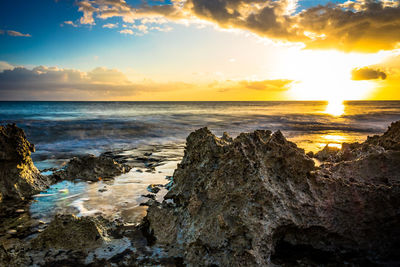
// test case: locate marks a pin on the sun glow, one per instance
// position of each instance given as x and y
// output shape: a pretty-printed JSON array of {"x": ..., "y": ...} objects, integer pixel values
[
  {"x": 326, "y": 75},
  {"x": 335, "y": 107}
]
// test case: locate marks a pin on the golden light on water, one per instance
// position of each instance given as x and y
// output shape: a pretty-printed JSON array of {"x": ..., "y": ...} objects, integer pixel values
[
  {"x": 335, "y": 108},
  {"x": 335, "y": 145},
  {"x": 333, "y": 140}
]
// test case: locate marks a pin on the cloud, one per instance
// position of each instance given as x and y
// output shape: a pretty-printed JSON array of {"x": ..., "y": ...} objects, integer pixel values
[
  {"x": 15, "y": 33},
  {"x": 70, "y": 23},
  {"x": 366, "y": 26},
  {"x": 53, "y": 83},
  {"x": 5, "y": 66},
  {"x": 268, "y": 85},
  {"x": 110, "y": 25},
  {"x": 359, "y": 25},
  {"x": 88, "y": 10},
  {"x": 127, "y": 31},
  {"x": 367, "y": 73}
]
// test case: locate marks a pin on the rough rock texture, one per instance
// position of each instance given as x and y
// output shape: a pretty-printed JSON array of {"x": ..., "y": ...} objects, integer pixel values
[
  {"x": 259, "y": 200},
  {"x": 91, "y": 168},
  {"x": 326, "y": 153},
  {"x": 71, "y": 232},
  {"x": 389, "y": 140},
  {"x": 85, "y": 241},
  {"x": 19, "y": 178}
]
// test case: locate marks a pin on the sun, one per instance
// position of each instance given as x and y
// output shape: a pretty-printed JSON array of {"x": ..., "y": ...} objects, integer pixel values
[
  {"x": 326, "y": 75},
  {"x": 335, "y": 107}
]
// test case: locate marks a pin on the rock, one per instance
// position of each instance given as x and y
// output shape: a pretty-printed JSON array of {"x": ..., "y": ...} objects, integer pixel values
[
  {"x": 169, "y": 185},
  {"x": 12, "y": 231},
  {"x": 258, "y": 200},
  {"x": 327, "y": 153},
  {"x": 91, "y": 168},
  {"x": 19, "y": 178},
  {"x": 151, "y": 196},
  {"x": 70, "y": 232},
  {"x": 154, "y": 188},
  {"x": 390, "y": 140}
]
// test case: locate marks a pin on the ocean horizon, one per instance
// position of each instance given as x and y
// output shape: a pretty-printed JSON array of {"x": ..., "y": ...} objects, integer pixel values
[{"x": 62, "y": 129}]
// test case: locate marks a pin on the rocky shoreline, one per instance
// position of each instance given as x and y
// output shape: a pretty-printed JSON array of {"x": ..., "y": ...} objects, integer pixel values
[{"x": 255, "y": 200}]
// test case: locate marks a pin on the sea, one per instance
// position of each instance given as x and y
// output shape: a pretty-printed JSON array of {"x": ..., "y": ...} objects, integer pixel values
[{"x": 61, "y": 130}]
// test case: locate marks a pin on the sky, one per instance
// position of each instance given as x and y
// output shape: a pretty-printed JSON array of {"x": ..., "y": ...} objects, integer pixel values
[{"x": 201, "y": 50}]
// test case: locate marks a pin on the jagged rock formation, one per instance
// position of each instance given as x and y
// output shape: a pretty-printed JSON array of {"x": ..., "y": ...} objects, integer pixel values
[
  {"x": 19, "y": 178},
  {"x": 389, "y": 140},
  {"x": 91, "y": 168},
  {"x": 258, "y": 200},
  {"x": 326, "y": 153},
  {"x": 70, "y": 232}
]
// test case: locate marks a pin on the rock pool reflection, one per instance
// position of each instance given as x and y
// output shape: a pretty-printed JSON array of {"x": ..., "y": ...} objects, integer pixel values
[{"x": 116, "y": 199}]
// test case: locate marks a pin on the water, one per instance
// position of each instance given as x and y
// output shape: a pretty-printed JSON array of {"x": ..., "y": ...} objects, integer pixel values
[
  {"x": 119, "y": 198},
  {"x": 61, "y": 130}
]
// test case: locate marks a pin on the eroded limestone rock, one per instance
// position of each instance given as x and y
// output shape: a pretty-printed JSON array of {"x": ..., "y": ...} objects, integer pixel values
[
  {"x": 19, "y": 178},
  {"x": 70, "y": 232},
  {"x": 91, "y": 168},
  {"x": 390, "y": 140},
  {"x": 327, "y": 153},
  {"x": 259, "y": 200}
]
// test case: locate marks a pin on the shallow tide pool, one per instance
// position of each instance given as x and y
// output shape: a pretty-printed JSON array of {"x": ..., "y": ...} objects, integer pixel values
[{"x": 119, "y": 198}]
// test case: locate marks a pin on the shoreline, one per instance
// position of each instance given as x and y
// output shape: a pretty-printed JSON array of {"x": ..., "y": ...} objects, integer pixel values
[{"x": 184, "y": 194}]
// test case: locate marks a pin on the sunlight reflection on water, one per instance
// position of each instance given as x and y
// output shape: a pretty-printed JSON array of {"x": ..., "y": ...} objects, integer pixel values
[
  {"x": 116, "y": 199},
  {"x": 335, "y": 108}
]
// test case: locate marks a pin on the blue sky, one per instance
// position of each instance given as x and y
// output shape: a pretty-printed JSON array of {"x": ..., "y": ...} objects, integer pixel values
[
  {"x": 205, "y": 46},
  {"x": 55, "y": 43}
]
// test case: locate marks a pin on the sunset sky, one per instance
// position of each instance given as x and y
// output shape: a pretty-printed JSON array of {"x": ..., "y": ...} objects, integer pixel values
[{"x": 199, "y": 50}]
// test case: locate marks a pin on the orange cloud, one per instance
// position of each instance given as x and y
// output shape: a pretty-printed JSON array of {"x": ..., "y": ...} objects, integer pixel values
[
  {"x": 52, "y": 83},
  {"x": 367, "y": 73},
  {"x": 360, "y": 25}
]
